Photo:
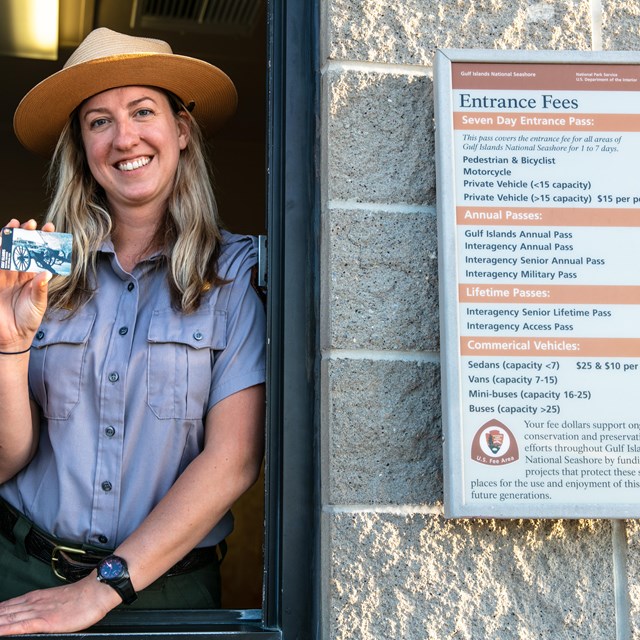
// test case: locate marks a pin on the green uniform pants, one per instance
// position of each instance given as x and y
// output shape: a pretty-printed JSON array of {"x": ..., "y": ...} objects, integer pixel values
[{"x": 21, "y": 573}]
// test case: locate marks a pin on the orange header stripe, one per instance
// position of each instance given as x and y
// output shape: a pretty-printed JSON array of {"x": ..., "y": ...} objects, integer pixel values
[
  {"x": 550, "y": 347},
  {"x": 532, "y": 216},
  {"x": 551, "y": 294},
  {"x": 494, "y": 121}
]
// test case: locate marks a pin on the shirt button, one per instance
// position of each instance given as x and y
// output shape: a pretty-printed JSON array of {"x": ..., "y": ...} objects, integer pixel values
[
  {"x": 40, "y": 334},
  {"x": 110, "y": 431},
  {"x": 198, "y": 335},
  {"x": 103, "y": 539},
  {"x": 114, "y": 377},
  {"x": 131, "y": 286},
  {"x": 123, "y": 331},
  {"x": 106, "y": 486}
]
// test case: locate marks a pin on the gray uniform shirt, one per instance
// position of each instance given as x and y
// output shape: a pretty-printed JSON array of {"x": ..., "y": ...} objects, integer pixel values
[{"x": 125, "y": 386}]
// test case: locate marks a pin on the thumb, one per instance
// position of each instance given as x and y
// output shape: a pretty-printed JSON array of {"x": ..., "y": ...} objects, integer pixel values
[{"x": 40, "y": 290}]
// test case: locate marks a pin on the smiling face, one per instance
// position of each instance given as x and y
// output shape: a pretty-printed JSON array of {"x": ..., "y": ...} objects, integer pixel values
[{"x": 132, "y": 139}]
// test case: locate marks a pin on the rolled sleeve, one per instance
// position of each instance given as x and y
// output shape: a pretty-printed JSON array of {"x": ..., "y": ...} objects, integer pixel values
[{"x": 241, "y": 364}]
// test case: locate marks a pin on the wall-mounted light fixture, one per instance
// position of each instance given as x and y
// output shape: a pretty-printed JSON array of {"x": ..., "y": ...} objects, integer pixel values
[
  {"x": 76, "y": 20},
  {"x": 29, "y": 28}
]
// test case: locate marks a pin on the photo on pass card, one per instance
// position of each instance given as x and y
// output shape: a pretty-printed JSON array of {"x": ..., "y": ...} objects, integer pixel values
[{"x": 35, "y": 251}]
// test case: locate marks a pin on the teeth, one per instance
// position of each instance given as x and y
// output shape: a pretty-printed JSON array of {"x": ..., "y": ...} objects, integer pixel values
[{"x": 134, "y": 164}]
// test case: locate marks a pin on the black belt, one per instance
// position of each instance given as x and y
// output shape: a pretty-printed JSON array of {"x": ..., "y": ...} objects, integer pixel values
[{"x": 71, "y": 563}]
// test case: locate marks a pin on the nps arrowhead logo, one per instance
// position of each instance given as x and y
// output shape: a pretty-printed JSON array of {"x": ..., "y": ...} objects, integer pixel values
[{"x": 494, "y": 444}]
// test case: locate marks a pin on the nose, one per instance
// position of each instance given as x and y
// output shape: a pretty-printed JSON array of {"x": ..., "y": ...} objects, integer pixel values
[{"x": 126, "y": 134}]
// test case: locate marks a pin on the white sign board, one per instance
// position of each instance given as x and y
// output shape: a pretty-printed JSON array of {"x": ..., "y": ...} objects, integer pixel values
[{"x": 539, "y": 228}]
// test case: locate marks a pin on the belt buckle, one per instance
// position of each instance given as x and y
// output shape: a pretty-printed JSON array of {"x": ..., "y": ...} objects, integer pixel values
[{"x": 54, "y": 558}]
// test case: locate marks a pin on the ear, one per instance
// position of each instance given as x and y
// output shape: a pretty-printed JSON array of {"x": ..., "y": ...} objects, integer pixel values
[{"x": 184, "y": 129}]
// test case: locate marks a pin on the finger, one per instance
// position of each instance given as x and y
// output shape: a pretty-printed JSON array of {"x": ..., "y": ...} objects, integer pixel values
[
  {"x": 40, "y": 290},
  {"x": 24, "y": 626},
  {"x": 42, "y": 278},
  {"x": 32, "y": 612},
  {"x": 17, "y": 616},
  {"x": 18, "y": 600},
  {"x": 17, "y": 613},
  {"x": 30, "y": 224}
]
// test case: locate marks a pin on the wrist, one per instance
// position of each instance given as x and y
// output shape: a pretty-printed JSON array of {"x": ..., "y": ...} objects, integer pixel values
[
  {"x": 102, "y": 594},
  {"x": 14, "y": 351},
  {"x": 114, "y": 572},
  {"x": 16, "y": 346}
]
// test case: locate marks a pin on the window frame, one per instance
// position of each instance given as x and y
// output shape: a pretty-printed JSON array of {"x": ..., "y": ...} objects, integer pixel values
[
  {"x": 290, "y": 577},
  {"x": 291, "y": 543}
]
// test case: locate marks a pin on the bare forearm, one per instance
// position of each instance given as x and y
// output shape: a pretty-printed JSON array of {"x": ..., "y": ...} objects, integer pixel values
[
  {"x": 207, "y": 489},
  {"x": 193, "y": 506},
  {"x": 18, "y": 416}
]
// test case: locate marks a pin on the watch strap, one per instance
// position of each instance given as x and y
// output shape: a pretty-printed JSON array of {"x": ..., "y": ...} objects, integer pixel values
[{"x": 125, "y": 589}]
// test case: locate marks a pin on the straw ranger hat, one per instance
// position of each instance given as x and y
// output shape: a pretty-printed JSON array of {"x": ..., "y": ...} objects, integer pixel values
[{"x": 106, "y": 59}]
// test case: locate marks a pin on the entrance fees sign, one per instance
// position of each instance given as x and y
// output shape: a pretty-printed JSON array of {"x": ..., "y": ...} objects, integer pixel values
[{"x": 539, "y": 214}]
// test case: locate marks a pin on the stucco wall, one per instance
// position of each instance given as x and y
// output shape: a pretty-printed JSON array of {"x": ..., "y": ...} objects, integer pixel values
[{"x": 393, "y": 567}]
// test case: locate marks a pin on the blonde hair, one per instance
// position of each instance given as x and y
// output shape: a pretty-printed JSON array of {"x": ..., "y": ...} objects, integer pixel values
[{"x": 190, "y": 231}]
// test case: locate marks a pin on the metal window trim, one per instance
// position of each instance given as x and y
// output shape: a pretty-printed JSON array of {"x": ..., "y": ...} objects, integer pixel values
[{"x": 291, "y": 576}]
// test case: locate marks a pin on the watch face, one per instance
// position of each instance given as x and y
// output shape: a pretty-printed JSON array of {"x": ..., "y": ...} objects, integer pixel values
[{"x": 111, "y": 568}]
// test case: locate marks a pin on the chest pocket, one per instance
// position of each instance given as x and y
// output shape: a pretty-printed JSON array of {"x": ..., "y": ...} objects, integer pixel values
[
  {"x": 181, "y": 353},
  {"x": 57, "y": 363}
]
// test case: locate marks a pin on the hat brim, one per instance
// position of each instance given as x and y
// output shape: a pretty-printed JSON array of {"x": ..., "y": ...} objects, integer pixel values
[{"x": 43, "y": 112}]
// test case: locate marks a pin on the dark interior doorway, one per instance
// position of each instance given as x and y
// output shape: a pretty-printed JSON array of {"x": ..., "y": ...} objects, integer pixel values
[{"x": 234, "y": 40}]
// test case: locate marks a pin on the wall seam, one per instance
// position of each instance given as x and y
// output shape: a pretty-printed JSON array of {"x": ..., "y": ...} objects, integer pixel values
[
  {"x": 355, "y": 205},
  {"x": 620, "y": 582},
  {"x": 596, "y": 25},
  {"x": 376, "y": 67},
  {"x": 396, "y": 510},
  {"x": 366, "y": 354}
]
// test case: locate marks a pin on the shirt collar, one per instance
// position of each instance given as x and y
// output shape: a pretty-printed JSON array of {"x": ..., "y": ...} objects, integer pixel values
[{"x": 107, "y": 249}]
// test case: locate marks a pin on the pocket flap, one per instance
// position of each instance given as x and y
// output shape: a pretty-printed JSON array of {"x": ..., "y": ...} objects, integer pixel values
[
  {"x": 76, "y": 331},
  {"x": 203, "y": 329}
]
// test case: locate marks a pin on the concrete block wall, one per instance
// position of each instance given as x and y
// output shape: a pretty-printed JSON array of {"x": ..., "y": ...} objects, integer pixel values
[{"x": 392, "y": 566}]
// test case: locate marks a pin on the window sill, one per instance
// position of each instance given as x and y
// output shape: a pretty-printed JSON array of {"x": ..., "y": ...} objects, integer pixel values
[{"x": 216, "y": 624}]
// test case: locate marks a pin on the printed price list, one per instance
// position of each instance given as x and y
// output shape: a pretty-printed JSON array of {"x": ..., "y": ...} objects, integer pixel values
[{"x": 548, "y": 277}]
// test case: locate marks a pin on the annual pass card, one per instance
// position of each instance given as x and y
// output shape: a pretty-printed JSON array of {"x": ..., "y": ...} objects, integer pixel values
[{"x": 34, "y": 251}]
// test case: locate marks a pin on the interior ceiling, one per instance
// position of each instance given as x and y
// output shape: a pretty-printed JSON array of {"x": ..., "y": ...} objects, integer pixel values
[
  {"x": 240, "y": 52},
  {"x": 237, "y": 48}
]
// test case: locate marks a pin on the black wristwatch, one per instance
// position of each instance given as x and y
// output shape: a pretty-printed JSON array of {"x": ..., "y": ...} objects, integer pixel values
[{"x": 113, "y": 571}]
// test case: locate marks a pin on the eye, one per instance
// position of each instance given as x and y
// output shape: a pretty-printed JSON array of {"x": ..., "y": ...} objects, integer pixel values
[
  {"x": 97, "y": 122},
  {"x": 144, "y": 112}
]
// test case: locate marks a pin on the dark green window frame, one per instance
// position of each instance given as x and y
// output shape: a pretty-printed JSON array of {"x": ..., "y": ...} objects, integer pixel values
[{"x": 291, "y": 518}]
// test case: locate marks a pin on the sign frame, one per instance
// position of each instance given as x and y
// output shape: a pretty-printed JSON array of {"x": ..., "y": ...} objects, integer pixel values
[{"x": 450, "y": 334}]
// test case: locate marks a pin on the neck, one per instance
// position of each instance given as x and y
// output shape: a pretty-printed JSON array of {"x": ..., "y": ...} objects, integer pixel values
[{"x": 135, "y": 236}]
